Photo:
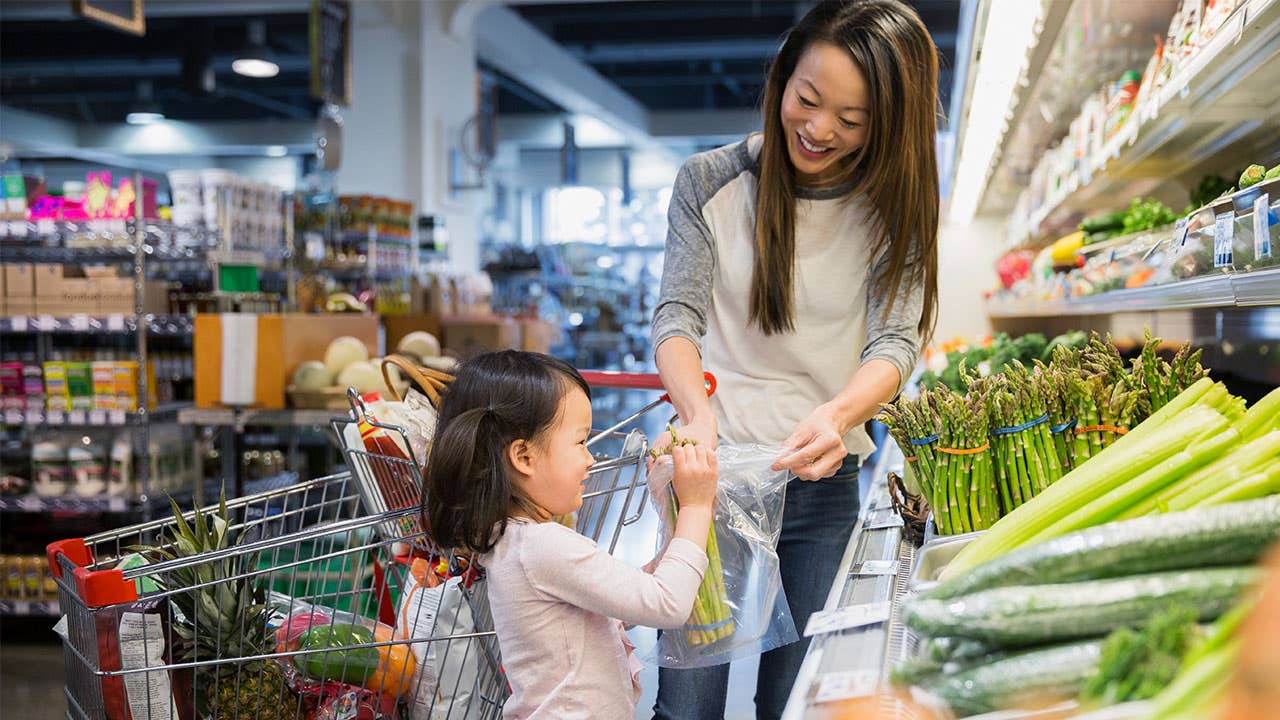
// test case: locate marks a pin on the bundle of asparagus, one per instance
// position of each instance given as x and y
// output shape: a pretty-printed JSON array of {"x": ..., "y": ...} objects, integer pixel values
[
  {"x": 979, "y": 456},
  {"x": 712, "y": 618}
]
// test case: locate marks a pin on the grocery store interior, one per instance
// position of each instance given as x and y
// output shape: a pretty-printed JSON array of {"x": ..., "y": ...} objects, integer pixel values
[{"x": 246, "y": 243}]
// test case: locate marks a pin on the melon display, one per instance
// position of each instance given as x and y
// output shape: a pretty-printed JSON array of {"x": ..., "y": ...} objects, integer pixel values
[
  {"x": 312, "y": 375},
  {"x": 343, "y": 352}
]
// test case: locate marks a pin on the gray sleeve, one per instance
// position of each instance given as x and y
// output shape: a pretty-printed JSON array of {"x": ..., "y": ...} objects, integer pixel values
[
  {"x": 688, "y": 266},
  {"x": 895, "y": 338}
]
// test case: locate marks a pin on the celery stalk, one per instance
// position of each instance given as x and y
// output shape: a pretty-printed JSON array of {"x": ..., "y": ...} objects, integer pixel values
[
  {"x": 1125, "y": 459},
  {"x": 1249, "y": 457},
  {"x": 1264, "y": 416},
  {"x": 1198, "y": 684},
  {"x": 1216, "y": 441},
  {"x": 1260, "y": 484}
]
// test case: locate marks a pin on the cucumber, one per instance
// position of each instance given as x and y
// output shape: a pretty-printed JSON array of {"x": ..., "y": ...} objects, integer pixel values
[
  {"x": 1019, "y": 680},
  {"x": 1027, "y": 615},
  {"x": 1222, "y": 535},
  {"x": 1106, "y": 221}
]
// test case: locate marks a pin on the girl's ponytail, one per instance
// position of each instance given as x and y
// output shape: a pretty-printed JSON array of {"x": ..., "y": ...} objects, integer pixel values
[{"x": 495, "y": 400}]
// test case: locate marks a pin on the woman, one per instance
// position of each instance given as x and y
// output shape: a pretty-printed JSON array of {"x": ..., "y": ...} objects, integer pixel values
[{"x": 801, "y": 269}]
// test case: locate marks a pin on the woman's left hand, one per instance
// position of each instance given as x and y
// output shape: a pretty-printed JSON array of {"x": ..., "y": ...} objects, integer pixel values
[{"x": 815, "y": 449}]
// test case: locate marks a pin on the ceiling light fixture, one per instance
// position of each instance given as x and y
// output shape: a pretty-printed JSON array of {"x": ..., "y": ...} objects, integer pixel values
[
  {"x": 256, "y": 59},
  {"x": 276, "y": 151},
  {"x": 1011, "y": 31},
  {"x": 144, "y": 110}
]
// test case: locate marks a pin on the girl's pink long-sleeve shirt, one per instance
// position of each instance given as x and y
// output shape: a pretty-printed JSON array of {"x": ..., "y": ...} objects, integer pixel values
[{"x": 558, "y": 605}]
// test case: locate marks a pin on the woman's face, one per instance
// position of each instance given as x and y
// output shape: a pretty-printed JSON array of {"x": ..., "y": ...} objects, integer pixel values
[{"x": 824, "y": 113}]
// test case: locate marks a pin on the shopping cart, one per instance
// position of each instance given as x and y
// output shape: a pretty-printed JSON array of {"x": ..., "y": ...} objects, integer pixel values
[{"x": 321, "y": 600}]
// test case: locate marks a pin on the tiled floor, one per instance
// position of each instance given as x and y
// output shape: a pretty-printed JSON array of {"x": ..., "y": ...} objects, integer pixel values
[{"x": 31, "y": 670}]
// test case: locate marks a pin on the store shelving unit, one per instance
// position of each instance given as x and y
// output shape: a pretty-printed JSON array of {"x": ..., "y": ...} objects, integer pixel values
[
  {"x": 1214, "y": 105},
  {"x": 30, "y": 608}
]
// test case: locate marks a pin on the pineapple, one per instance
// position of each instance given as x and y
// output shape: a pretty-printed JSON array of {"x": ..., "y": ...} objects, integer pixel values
[{"x": 222, "y": 615}]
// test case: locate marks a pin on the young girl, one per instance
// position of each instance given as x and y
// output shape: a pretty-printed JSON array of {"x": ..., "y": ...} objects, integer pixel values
[{"x": 509, "y": 455}]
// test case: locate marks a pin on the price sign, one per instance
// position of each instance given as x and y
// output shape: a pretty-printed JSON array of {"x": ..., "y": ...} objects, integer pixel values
[
  {"x": 97, "y": 417},
  {"x": 828, "y": 621},
  {"x": 80, "y": 323},
  {"x": 845, "y": 685},
  {"x": 43, "y": 227},
  {"x": 55, "y": 417},
  {"x": 47, "y": 323},
  {"x": 331, "y": 51},
  {"x": 19, "y": 323},
  {"x": 1262, "y": 227},
  {"x": 115, "y": 323},
  {"x": 12, "y": 417},
  {"x": 878, "y": 567},
  {"x": 75, "y": 417},
  {"x": 1224, "y": 233},
  {"x": 116, "y": 417}
]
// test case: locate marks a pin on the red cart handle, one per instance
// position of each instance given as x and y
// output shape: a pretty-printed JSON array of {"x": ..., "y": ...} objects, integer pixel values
[{"x": 637, "y": 381}]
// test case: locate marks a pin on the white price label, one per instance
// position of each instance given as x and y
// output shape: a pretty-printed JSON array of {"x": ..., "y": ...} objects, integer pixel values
[
  {"x": 43, "y": 227},
  {"x": 97, "y": 417},
  {"x": 1262, "y": 227},
  {"x": 1180, "y": 233},
  {"x": 893, "y": 521},
  {"x": 12, "y": 417},
  {"x": 878, "y": 567},
  {"x": 116, "y": 417},
  {"x": 55, "y": 417},
  {"x": 75, "y": 417},
  {"x": 115, "y": 323},
  {"x": 80, "y": 323},
  {"x": 47, "y": 323},
  {"x": 829, "y": 621},
  {"x": 1224, "y": 233},
  {"x": 845, "y": 685},
  {"x": 31, "y": 504},
  {"x": 18, "y": 323}
]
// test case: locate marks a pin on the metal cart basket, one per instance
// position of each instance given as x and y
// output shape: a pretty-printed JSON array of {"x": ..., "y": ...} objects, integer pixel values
[{"x": 322, "y": 600}]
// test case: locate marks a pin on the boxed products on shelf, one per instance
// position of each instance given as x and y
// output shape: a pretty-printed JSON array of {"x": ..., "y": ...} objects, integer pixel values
[
  {"x": 220, "y": 199},
  {"x": 62, "y": 290}
]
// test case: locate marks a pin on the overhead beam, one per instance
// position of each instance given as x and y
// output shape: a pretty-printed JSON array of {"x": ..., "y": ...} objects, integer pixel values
[
  {"x": 713, "y": 126},
  {"x": 64, "y": 67},
  {"x": 49, "y": 10},
  {"x": 511, "y": 44}
]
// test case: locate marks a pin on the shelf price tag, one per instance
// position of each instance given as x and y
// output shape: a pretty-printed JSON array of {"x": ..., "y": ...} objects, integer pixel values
[
  {"x": 55, "y": 417},
  {"x": 1180, "y": 233},
  {"x": 80, "y": 323},
  {"x": 115, "y": 323},
  {"x": 1224, "y": 232},
  {"x": 12, "y": 417},
  {"x": 846, "y": 685},
  {"x": 97, "y": 417},
  {"x": 877, "y": 567},
  {"x": 75, "y": 417},
  {"x": 829, "y": 621},
  {"x": 19, "y": 323},
  {"x": 116, "y": 417},
  {"x": 1262, "y": 227},
  {"x": 47, "y": 323}
]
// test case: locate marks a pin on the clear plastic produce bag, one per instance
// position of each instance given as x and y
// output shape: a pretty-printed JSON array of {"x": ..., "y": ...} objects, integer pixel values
[{"x": 741, "y": 608}]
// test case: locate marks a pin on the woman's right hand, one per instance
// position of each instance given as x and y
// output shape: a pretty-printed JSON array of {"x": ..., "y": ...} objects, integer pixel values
[{"x": 695, "y": 475}]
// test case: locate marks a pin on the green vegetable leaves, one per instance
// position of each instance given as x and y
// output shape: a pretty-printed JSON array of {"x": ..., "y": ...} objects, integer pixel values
[{"x": 1138, "y": 664}]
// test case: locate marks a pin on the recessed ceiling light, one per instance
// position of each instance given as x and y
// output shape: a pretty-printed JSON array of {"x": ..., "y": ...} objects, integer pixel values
[{"x": 256, "y": 60}]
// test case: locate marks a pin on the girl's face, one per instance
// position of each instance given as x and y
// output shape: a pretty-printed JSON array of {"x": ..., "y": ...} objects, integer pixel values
[
  {"x": 559, "y": 461},
  {"x": 824, "y": 113}
]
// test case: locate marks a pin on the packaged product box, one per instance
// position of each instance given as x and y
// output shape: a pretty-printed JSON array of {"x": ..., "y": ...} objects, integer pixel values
[
  {"x": 12, "y": 577},
  {"x": 80, "y": 385},
  {"x": 48, "y": 279},
  {"x": 12, "y": 395},
  {"x": 57, "y": 394},
  {"x": 15, "y": 197},
  {"x": 126, "y": 385},
  {"x": 20, "y": 306},
  {"x": 104, "y": 385}
]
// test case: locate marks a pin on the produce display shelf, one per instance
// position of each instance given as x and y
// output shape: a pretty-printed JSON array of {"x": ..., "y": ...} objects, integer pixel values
[
  {"x": 1181, "y": 129},
  {"x": 29, "y": 608},
  {"x": 864, "y": 640},
  {"x": 52, "y": 254},
  {"x": 165, "y": 325},
  {"x": 1250, "y": 289},
  {"x": 231, "y": 417},
  {"x": 87, "y": 418},
  {"x": 65, "y": 503}
]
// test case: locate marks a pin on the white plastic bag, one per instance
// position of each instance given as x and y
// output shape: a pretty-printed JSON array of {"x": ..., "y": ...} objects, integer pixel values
[
  {"x": 750, "y": 615},
  {"x": 447, "y": 670}
]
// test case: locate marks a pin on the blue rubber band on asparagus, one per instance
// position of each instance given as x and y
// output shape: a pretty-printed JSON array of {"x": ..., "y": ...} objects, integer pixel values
[
  {"x": 1063, "y": 427},
  {"x": 712, "y": 626},
  {"x": 924, "y": 441},
  {"x": 1024, "y": 426}
]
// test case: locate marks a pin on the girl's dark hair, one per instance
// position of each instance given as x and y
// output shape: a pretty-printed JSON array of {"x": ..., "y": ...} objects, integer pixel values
[
  {"x": 496, "y": 399},
  {"x": 897, "y": 168}
]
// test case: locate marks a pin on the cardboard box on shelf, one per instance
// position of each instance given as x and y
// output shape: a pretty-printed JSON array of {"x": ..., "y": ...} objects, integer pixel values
[
  {"x": 537, "y": 335},
  {"x": 397, "y": 326},
  {"x": 48, "y": 279},
  {"x": 19, "y": 281},
  {"x": 247, "y": 360},
  {"x": 20, "y": 306},
  {"x": 466, "y": 336}
]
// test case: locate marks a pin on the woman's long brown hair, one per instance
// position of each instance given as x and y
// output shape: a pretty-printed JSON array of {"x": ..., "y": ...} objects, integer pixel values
[{"x": 897, "y": 167}]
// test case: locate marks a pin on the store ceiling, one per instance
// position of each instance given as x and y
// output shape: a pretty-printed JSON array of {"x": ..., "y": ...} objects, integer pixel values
[
  {"x": 691, "y": 55},
  {"x": 667, "y": 54}
]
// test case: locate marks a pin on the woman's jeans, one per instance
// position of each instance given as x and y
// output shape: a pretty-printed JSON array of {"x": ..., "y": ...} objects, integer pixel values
[{"x": 817, "y": 520}]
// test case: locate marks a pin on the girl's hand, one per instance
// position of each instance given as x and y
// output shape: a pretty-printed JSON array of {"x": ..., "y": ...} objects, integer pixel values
[
  {"x": 702, "y": 432},
  {"x": 815, "y": 449},
  {"x": 695, "y": 476}
]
